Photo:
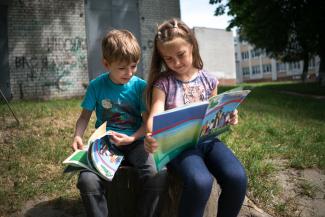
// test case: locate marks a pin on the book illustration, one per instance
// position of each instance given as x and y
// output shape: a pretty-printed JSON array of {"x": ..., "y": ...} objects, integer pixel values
[
  {"x": 103, "y": 158},
  {"x": 219, "y": 111},
  {"x": 100, "y": 156},
  {"x": 181, "y": 128}
]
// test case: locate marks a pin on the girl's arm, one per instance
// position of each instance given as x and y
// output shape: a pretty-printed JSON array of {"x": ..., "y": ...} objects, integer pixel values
[
  {"x": 157, "y": 106},
  {"x": 214, "y": 91}
]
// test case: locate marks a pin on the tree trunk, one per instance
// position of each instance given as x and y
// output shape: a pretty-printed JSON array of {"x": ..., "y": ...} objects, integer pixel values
[
  {"x": 122, "y": 191},
  {"x": 321, "y": 75},
  {"x": 321, "y": 71},
  {"x": 305, "y": 68}
]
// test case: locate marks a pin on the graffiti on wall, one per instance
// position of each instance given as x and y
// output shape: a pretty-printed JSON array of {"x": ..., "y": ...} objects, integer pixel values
[
  {"x": 48, "y": 47},
  {"x": 48, "y": 70}
]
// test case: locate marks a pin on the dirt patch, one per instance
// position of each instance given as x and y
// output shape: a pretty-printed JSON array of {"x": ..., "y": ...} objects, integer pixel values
[{"x": 303, "y": 192}]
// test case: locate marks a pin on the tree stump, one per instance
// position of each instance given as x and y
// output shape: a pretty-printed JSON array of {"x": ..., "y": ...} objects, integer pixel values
[{"x": 122, "y": 191}]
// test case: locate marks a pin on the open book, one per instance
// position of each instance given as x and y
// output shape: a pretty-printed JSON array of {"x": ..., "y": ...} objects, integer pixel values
[
  {"x": 181, "y": 128},
  {"x": 98, "y": 156}
]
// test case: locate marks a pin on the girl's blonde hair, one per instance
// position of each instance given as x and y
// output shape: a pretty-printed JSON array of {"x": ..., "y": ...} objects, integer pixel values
[
  {"x": 120, "y": 46},
  {"x": 167, "y": 31}
]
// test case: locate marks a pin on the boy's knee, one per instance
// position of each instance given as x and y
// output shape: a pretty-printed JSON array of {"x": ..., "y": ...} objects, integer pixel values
[
  {"x": 156, "y": 180},
  {"x": 89, "y": 183}
]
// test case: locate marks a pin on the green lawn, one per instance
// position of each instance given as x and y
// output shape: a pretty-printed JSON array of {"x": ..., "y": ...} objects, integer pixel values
[{"x": 273, "y": 126}]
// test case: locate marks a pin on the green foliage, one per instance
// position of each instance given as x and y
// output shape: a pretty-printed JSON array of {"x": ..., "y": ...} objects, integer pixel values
[{"x": 287, "y": 30}]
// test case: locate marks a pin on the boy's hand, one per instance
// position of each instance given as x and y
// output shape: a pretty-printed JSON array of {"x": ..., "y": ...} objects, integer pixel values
[
  {"x": 233, "y": 117},
  {"x": 120, "y": 138},
  {"x": 77, "y": 143},
  {"x": 150, "y": 144}
]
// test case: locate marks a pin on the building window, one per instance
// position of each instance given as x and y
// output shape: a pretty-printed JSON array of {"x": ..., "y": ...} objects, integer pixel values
[
  {"x": 312, "y": 63},
  {"x": 294, "y": 65},
  {"x": 256, "y": 70},
  {"x": 267, "y": 68},
  {"x": 280, "y": 67},
  {"x": 255, "y": 53},
  {"x": 246, "y": 70},
  {"x": 245, "y": 55}
]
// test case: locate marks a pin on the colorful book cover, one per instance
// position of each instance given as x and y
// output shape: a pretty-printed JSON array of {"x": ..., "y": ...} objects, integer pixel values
[
  {"x": 99, "y": 156},
  {"x": 105, "y": 159},
  {"x": 181, "y": 128}
]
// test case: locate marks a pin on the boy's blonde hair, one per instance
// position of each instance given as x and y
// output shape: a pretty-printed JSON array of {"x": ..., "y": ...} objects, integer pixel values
[{"x": 120, "y": 46}]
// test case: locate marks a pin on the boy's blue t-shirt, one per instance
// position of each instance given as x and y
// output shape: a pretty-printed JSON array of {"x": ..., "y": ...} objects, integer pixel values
[{"x": 120, "y": 105}]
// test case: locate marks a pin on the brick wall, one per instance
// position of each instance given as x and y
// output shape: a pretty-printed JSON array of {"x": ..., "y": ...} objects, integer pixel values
[
  {"x": 47, "y": 45},
  {"x": 47, "y": 48}
]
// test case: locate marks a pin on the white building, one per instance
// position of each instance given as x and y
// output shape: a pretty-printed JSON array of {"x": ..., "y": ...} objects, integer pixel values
[
  {"x": 217, "y": 52},
  {"x": 254, "y": 65}
]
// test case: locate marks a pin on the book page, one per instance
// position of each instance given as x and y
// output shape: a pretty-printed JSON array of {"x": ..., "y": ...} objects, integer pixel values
[
  {"x": 218, "y": 113},
  {"x": 176, "y": 130},
  {"x": 99, "y": 132},
  {"x": 105, "y": 157}
]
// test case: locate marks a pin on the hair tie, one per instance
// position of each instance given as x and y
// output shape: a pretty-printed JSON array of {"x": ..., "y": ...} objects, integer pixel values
[{"x": 175, "y": 24}]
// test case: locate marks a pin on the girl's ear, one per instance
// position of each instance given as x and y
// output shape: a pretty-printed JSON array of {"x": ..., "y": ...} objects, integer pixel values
[{"x": 105, "y": 63}]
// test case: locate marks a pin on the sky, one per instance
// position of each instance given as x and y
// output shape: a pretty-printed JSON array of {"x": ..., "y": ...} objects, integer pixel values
[{"x": 199, "y": 13}]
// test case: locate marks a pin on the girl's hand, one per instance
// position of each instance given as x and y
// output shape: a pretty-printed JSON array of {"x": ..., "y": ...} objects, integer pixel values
[
  {"x": 150, "y": 144},
  {"x": 233, "y": 117},
  {"x": 120, "y": 138},
  {"x": 77, "y": 143}
]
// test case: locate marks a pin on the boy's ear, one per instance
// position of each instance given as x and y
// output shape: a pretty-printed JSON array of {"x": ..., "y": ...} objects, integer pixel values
[{"x": 106, "y": 63}]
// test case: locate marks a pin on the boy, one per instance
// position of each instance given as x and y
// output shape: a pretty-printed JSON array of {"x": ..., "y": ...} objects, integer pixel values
[{"x": 117, "y": 97}]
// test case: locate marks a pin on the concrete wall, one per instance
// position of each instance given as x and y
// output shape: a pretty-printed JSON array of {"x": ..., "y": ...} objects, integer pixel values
[
  {"x": 153, "y": 12},
  {"x": 47, "y": 48},
  {"x": 218, "y": 53}
]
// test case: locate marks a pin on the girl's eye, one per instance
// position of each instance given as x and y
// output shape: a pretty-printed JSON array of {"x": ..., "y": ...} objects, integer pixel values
[
  {"x": 168, "y": 59},
  {"x": 121, "y": 68},
  {"x": 181, "y": 54}
]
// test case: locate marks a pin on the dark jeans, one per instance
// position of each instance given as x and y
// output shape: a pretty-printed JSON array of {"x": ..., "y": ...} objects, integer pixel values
[
  {"x": 93, "y": 189},
  {"x": 197, "y": 167}
]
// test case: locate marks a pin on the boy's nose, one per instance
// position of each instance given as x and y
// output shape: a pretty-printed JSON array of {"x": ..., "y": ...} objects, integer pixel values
[{"x": 130, "y": 71}]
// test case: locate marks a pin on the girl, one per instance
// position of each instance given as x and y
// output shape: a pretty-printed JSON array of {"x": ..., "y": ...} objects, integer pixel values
[{"x": 176, "y": 78}]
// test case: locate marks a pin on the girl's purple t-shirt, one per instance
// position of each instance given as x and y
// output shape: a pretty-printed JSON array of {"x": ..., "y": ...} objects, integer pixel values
[{"x": 179, "y": 93}]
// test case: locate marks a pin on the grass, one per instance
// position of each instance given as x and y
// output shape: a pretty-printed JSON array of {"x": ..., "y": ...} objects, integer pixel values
[{"x": 274, "y": 127}]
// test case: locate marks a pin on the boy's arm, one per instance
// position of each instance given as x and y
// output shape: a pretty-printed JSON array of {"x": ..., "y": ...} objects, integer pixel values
[
  {"x": 157, "y": 106},
  {"x": 123, "y": 139},
  {"x": 141, "y": 131},
  {"x": 81, "y": 126}
]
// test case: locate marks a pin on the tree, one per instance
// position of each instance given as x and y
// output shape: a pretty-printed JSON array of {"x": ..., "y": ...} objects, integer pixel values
[{"x": 289, "y": 30}]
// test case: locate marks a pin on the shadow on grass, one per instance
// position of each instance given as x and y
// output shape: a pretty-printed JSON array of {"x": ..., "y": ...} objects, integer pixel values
[{"x": 58, "y": 207}]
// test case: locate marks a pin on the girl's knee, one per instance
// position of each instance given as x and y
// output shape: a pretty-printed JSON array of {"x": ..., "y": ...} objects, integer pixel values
[
  {"x": 234, "y": 179},
  {"x": 200, "y": 183}
]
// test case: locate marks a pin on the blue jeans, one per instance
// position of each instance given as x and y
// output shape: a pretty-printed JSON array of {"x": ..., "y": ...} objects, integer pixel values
[
  {"x": 198, "y": 166},
  {"x": 93, "y": 189}
]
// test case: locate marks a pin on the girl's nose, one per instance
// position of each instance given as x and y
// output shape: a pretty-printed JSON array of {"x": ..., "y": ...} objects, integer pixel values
[{"x": 176, "y": 62}]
